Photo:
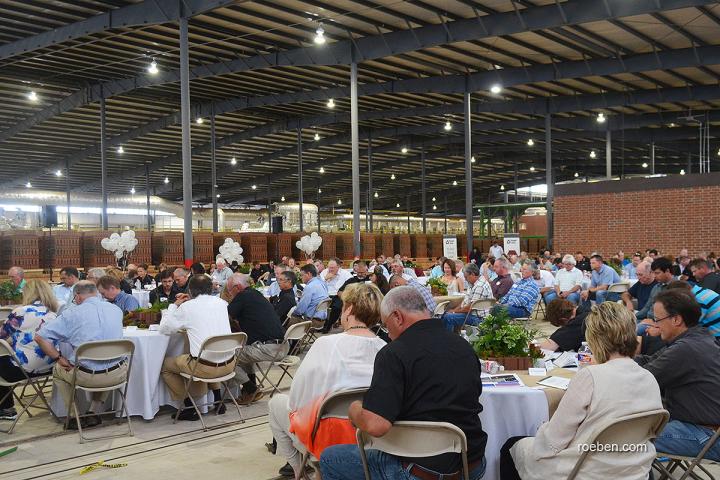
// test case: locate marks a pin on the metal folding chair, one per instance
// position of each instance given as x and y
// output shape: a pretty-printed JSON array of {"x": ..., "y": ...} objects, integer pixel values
[
  {"x": 440, "y": 309},
  {"x": 479, "y": 308},
  {"x": 36, "y": 382},
  {"x": 222, "y": 345},
  {"x": 297, "y": 333},
  {"x": 314, "y": 332},
  {"x": 102, "y": 351},
  {"x": 686, "y": 464},
  {"x": 416, "y": 440},
  {"x": 288, "y": 316}
]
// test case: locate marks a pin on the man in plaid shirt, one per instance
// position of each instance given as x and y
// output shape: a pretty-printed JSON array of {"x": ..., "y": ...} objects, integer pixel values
[
  {"x": 479, "y": 290},
  {"x": 523, "y": 295}
]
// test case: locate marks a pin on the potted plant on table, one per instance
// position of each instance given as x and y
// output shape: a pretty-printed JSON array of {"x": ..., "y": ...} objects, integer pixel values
[
  {"x": 9, "y": 294},
  {"x": 142, "y": 317},
  {"x": 437, "y": 287},
  {"x": 505, "y": 341}
]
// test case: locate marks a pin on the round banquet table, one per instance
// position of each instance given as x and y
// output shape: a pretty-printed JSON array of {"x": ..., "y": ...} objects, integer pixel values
[{"x": 146, "y": 389}]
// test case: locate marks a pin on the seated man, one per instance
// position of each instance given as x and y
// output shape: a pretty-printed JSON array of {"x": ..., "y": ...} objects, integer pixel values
[
  {"x": 704, "y": 276},
  {"x": 143, "y": 279},
  {"x": 523, "y": 295},
  {"x": 545, "y": 281},
  {"x": 221, "y": 274},
  {"x": 315, "y": 291},
  {"x": 630, "y": 266},
  {"x": 203, "y": 316},
  {"x": 252, "y": 314},
  {"x": 502, "y": 283},
  {"x": 284, "y": 302},
  {"x": 90, "y": 320},
  {"x": 334, "y": 276},
  {"x": 109, "y": 288},
  {"x": 361, "y": 276},
  {"x": 181, "y": 276},
  {"x": 398, "y": 268},
  {"x": 274, "y": 289},
  {"x": 399, "y": 281},
  {"x": 166, "y": 292},
  {"x": 688, "y": 372},
  {"x": 69, "y": 276},
  {"x": 642, "y": 288},
  {"x": 17, "y": 277},
  {"x": 602, "y": 277},
  {"x": 709, "y": 302},
  {"x": 479, "y": 290},
  {"x": 425, "y": 374},
  {"x": 568, "y": 282},
  {"x": 662, "y": 271},
  {"x": 682, "y": 269}
]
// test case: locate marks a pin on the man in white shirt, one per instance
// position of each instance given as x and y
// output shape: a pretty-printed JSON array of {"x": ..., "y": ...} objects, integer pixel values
[
  {"x": 69, "y": 276},
  {"x": 202, "y": 315},
  {"x": 568, "y": 282},
  {"x": 514, "y": 263},
  {"x": 545, "y": 281},
  {"x": 221, "y": 274},
  {"x": 398, "y": 268},
  {"x": 496, "y": 250},
  {"x": 334, "y": 276}
]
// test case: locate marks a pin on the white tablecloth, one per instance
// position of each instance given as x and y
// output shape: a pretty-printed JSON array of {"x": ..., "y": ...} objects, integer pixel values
[
  {"x": 146, "y": 389},
  {"x": 509, "y": 412},
  {"x": 142, "y": 296}
]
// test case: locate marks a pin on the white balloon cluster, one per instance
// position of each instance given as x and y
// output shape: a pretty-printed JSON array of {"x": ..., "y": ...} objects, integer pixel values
[
  {"x": 230, "y": 251},
  {"x": 309, "y": 243},
  {"x": 120, "y": 244}
]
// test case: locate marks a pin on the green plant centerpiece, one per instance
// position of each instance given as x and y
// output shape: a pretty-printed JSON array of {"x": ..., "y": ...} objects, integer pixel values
[
  {"x": 437, "y": 287},
  {"x": 9, "y": 294},
  {"x": 142, "y": 317},
  {"x": 617, "y": 267},
  {"x": 504, "y": 340}
]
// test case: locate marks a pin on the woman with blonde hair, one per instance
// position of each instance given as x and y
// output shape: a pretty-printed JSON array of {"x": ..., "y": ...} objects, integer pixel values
[
  {"x": 334, "y": 363},
  {"x": 39, "y": 306},
  {"x": 612, "y": 387}
]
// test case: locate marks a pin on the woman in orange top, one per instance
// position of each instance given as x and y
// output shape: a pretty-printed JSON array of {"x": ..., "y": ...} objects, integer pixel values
[{"x": 334, "y": 363}]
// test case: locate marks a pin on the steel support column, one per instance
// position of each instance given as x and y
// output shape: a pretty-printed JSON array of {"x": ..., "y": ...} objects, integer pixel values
[
  {"x": 652, "y": 158},
  {"x": 608, "y": 154},
  {"x": 446, "y": 214},
  {"x": 186, "y": 152},
  {"x": 407, "y": 208},
  {"x": 370, "y": 180},
  {"x": 300, "y": 179},
  {"x": 103, "y": 165},
  {"x": 468, "y": 173},
  {"x": 268, "y": 206},
  {"x": 67, "y": 193},
  {"x": 355, "y": 147},
  {"x": 213, "y": 170},
  {"x": 423, "y": 193},
  {"x": 549, "y": 180},
  {"x": 147, "y": 196}
]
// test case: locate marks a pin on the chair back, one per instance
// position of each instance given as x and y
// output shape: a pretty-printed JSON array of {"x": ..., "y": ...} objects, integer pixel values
[
  {"x": 416, "y": 439},
  {"x": 6, "y": 350},
  {"x": 297, "y": 331},
  {"x": 104, "y": 350},
  {"x": 482, "y": 304},
  {"x": 290, "y": 312},
  {"x": 336, "y": 405},
  {"x": 323, "y": 306},
  {"x": 440, "y": 308},
  {"x": 618, "y": 288},
  {"x": 635, "y": 429},
  {"x": 516, "y": 276},
  {"x": 223, "y": 344}
]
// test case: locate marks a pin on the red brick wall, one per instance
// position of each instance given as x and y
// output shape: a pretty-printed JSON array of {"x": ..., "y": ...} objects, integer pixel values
[{"x": 665, "y": 213}]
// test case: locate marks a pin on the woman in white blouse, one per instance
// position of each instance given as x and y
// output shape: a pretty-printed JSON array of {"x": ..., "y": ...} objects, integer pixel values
[
  {"x": 333, "y": 363},
  {"x": 454, "y": 284},
  {"x": 612, "y": 387}
]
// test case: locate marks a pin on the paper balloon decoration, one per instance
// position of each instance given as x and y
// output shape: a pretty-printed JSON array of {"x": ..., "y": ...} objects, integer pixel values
[
  {"x": 309, "y": 244},
  {"x": 230, "y": 251}
]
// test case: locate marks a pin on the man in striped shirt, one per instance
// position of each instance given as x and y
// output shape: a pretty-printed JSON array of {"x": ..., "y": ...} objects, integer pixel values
[
  {"x": 709, "y": 301},
  {"x": 523, "y": 295},
  {"x": 480, "y": 290}
]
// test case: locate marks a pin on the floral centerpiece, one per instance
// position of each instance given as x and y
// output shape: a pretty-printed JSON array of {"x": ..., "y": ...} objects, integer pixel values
[
  {"x": 505, "y": 341},
  {"x": 142, "y": 317},
  {"x": 9, "y": 294},
  {"x": 437, "y": 287}
]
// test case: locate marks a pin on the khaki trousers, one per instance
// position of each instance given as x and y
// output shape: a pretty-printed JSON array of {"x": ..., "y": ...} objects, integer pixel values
[
  {"x": 173, "y": 366},
  {"x": 62, "y": 380}
]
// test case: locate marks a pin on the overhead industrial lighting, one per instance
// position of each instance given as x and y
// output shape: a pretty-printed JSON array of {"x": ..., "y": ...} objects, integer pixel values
[
  {"x": 601, "y": 118},
  {"x": 576, "y": 175},
  {"x": 339, "y": 201},
  {"x": 502, "y": 188},
  {"x": 132, "y": 190},
  {"x": 166, "y": 181},
  {"x": 317, "y": 136},
  {"x": 28, "y": 184},
  {"x": 644, "y": 165},
  {"x": 199, "y": 121},
  {"x": 320, "y": 36},
  {"x": 454, "y": 183},
  {"x": 322, "y": 169},
  {"x": 153, "y": 68},
  {"x": 397, "y": 205},
  {"x": 448, "y": 126},
  {"x": 392, "y": 177},
  {"x": 58, "y": 173},
  {"x": 376, "y": 195},
  {"x": 404, "y": 150},
  {"x": 319, "y": 190},
  {"x": 532, "y": 169},
  {"x": 472, "y": 159},
  {"x": 530, "y": 142},
  {"x": 495, "y": 89},
  {"x": 331, "y": 103},
  {"x": 682, "y": 171},
  {"x": 254, "y": 187},
  {"x": 32, "y": 96},
  {"x": 217, "y": 196},
  {"x": 233, "y": 161},
  {"x": 593, "y": 154},
  {"x": 433, "y": 199},
  {"x": 434, "y": 207},
  {"x": 282, "y": 199},
  {"x": 120, "y": 149}
]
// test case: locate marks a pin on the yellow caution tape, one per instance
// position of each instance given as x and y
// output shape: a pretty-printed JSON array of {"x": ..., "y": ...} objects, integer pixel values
[{"x": 101, "y": 464}]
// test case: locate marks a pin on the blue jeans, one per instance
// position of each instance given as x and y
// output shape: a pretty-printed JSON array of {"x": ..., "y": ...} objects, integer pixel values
[
  {"x": 342, "y": 462},
  {"x": 516, "y": 312},
  {"x": 687, "y": 439},
  {"x": 573, "y": 297},
  {"x": 452, "y": 320},
  {"x": 603, "y": 296}
]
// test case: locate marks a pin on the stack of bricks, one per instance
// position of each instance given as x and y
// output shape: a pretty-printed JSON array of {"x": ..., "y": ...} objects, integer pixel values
[
  {"x": 143, "y": 250},
  {"x": 203, "y": 247},
  {"x": 402, "y": 245},
  {"x": 279, "y": 245},
  {"x": 167, "y": 248},
  {"x": 328, "y": 247},
  {"x": 419, "y": 246},
  {"x": 60, "y": 249},
  {"x": 434, "y": 246},
  {"x": 367, "y": 244},
  {"x": 344, "y": 245},
  {"x": 255, "y": 247},
  {"x": 19, "y": 249},
  {"x": 92, "y": 252},
  {"x": 386, "y": 244}
]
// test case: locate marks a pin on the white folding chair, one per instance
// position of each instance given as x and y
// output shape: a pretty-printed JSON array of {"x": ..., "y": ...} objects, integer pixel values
[
  {"x": 289, "y": 315},
  {"x": 479, "y": 308},
  {"x": 416, "y": 440},
  {"x": 686, "y": 464},
  {"x": 37, "y": 383},
  {"x": 634, "y": 429},
  {"x": 313, "y": 332},
  {"x": 441, "y": 308},
  {"x": 102, "y": 351},
  {"x": 618, "y": 288},
  {"x": 225, "y": 346},
  {"x": 297, "y": 333},
  {"x": 335, "y": 405}
]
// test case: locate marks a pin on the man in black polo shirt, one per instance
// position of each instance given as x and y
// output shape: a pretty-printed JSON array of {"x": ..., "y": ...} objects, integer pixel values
[
  {"x": 286, "y": 299},
  {"x": 425, "y": 374},
  {"x": 361, "y": 275},
  {"x": 166, "y": 290},
  {"x": 251, "y": 313}
]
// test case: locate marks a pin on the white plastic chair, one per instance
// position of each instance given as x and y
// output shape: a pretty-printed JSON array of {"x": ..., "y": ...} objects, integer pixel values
[
  {"x": 296, "y": 332},
  {"x": 289, "y": 315},
  {"x": 479, "y": 308},
  {"x": 223, "y": 346},
  {"x": 618, "y": 288},
  {"x": 635, "y": 429},
  {"x": 313, "y": 332},
  {"x": 441, "y": 308},
  {"x": 102, "y": 351},
  {"x": 37, "y": 383},
  {"x": 686, "y": 464},
  {"x": 416, "y": 439}
]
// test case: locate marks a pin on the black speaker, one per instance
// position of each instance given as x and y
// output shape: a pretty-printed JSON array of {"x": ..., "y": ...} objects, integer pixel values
[
  {"x": 48, "y": 216},
  {"x": 277, "y": 224}
]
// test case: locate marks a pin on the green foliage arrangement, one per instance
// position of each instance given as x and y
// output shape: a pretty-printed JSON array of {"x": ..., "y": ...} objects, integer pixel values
[
  {"x": 9, "y": 294},
  {"x": 437, "y": 286},
  {"x": 499, "y": 336}
]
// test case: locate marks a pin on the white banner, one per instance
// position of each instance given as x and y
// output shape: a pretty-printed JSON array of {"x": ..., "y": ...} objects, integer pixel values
[
  {"x": 450, "y": 247},
  {"x": 511, "y": 241}
]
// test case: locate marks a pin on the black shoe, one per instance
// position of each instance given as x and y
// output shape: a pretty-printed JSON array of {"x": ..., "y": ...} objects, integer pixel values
[
  {"x": 287, "y": 471},
  {"x": 271, "y": 446},
  {"x": 220, "y": 408},
  {"x": 189, "y": 414},
  {"x": 72, "y": 425},
  {"x": 92, "y": 421}
]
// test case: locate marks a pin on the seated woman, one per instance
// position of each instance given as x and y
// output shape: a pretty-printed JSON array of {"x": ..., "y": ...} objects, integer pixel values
[
  {"x": 334, "y": 363},
  {"x": 612, "y": 387},
  {"x": 39, "y": 306},
  {"x": 454, "y": 284},
  {"x": 377, "y": 276},
  {"x": 571, "y": 320}
]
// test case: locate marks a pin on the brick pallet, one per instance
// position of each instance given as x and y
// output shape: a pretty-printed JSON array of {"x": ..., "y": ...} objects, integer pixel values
[
  {"x": 60, "y": 249},
  {"x": 345, "y": 248},
  {"x": 203, "y": 247},
  {"x": 328, "y": 247},
  {"x": 20, "y": 249},
  {"x": 93, "y": 255},
  {"x": 435, "y": 246},
  {"x": 367, "y": 244},
  {"x": 167, "y": 248},
  {"x": 418, "y": 246},
  {"x": 298, "y": 255},
  {"x": 386, "y": 244},
  {"x": 143, "y": 250},
  {"x": 279, "y": 245},
  {"x": 255, "y": 247},
  {"x": 402, "y": 245}
]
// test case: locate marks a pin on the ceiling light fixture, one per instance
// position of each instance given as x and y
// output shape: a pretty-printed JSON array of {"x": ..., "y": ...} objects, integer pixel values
[
  {"x": 593, "y": 154},
  {"x": 376, "y": 195},
  {"x": 433, "y": 199},
  {"x": 322, "y": 169},
  {"x": 217, "y": 196},
  {"x": 32, "y": 96},
  {"x": 530, "y": 142},
  {"x": 532, "y": 169},
  {"x": 454, "y": 183},
  {"x": 682, "y": 171},
  {"x": 320, "y": 36},
  {"x": 472, "y": 159},
  {"x": 576, "y": 175},
  {"x": 120, "y": 149},
  {"x": 502, "y": 188},
  {"x": 28, "y": 184},
  {"x": 254, "y": 187},
  {"x": 58, "y": 173},
  {"x": 166, "y": 181},
  {"x": 392, "y": 177},
  {"x": 404, "y": 149},
  {"x": 132, "y": 190},
  {"x": 448, "y": 126},
  {"x": 319, "y": 190},
  {"x": 331, "y": 103},
  {"x": 199, "y": 120},
  {"x": 317, "y": 136},
  {"x": 644, "y": 165},
  {"x": 153, "y": 68},
  {"x": 339, "y": 202},
  {"x": 495, "y": 89},
  {"x": 434, "y": 207},
  {"x": 233, "y": 161},
  {"x": 397, "y": 205},
  {"x": 282, "y": 199},
  {"x": 601, "y": 118}
]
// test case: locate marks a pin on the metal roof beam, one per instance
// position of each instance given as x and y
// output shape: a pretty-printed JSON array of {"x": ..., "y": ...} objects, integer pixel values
[{"x": 379, "y": 46}]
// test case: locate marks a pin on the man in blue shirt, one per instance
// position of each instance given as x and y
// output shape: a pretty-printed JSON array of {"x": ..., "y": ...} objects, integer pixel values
[
  {"x": 315, "y": 291},
  {"x": 69, "y": 276},
  {"x": 602, "y": 277},
  {"x": 523, "y": 295},
  {"x": 91, "y": 320},
  {"x": 109, "y": 288},
  {"x": 631, "y": 267}
]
